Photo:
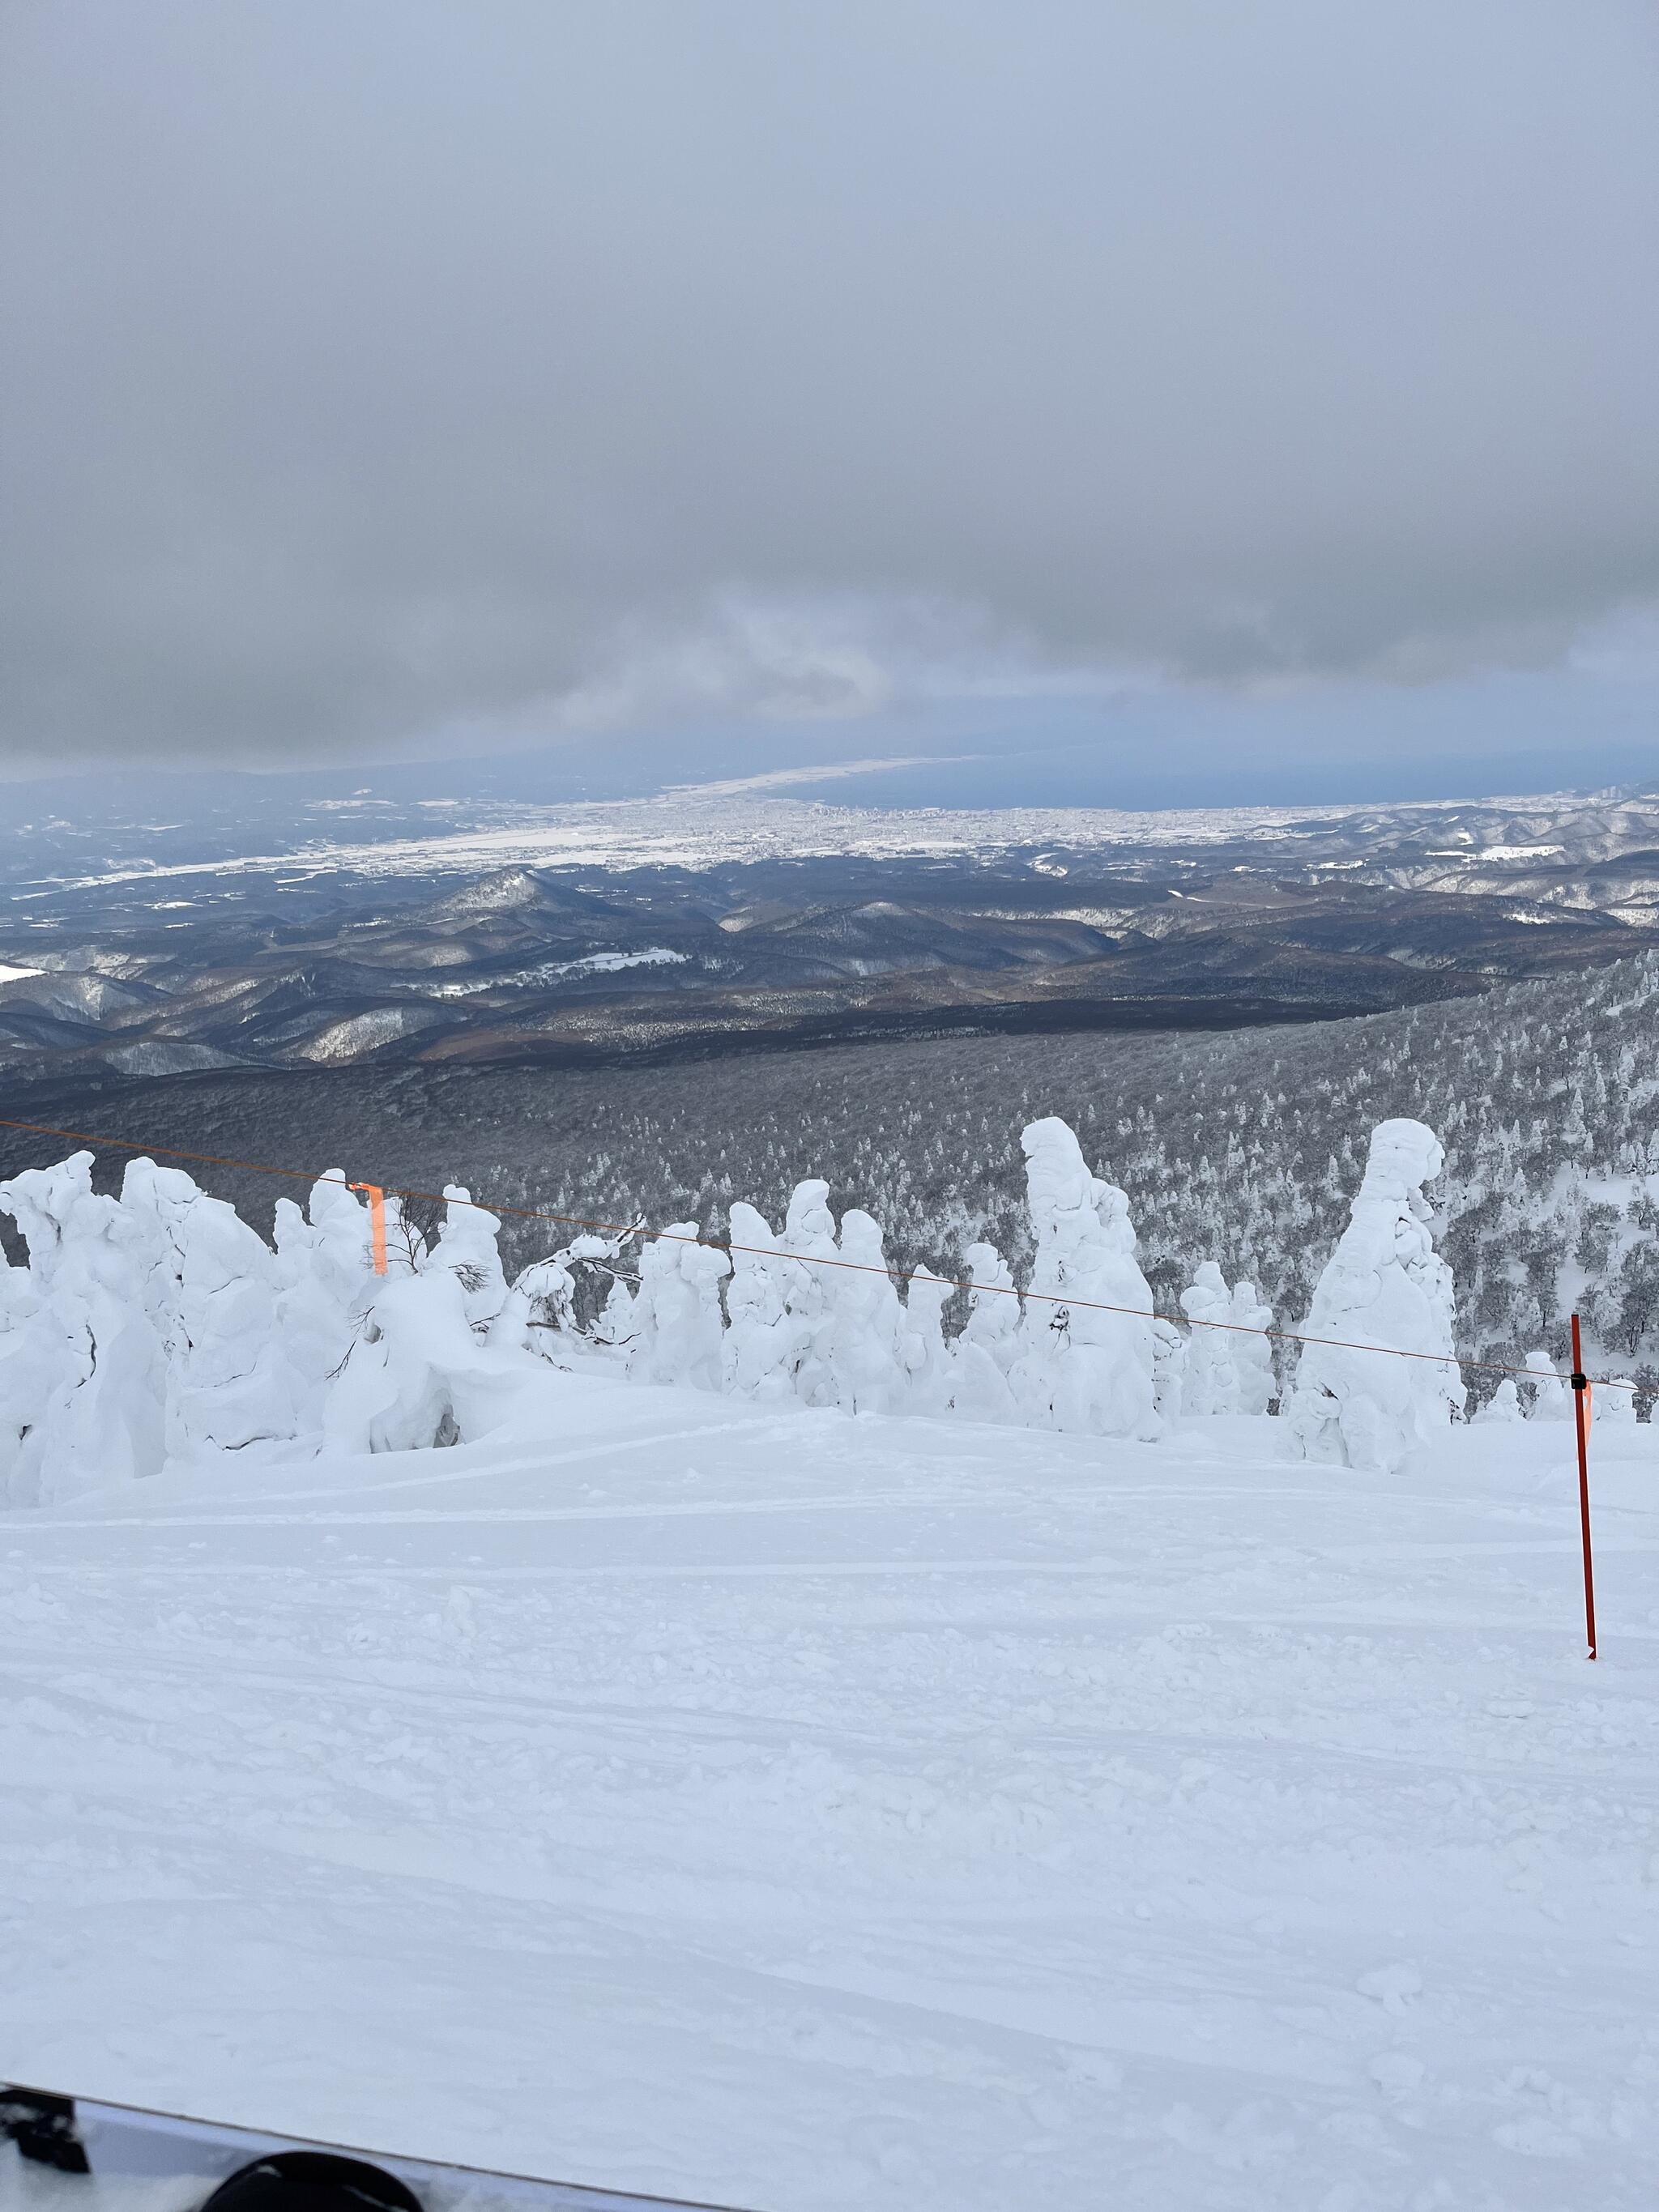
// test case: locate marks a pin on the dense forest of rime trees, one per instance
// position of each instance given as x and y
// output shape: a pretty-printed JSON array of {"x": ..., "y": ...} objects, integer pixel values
[{"x": 1245, "y": 1148}]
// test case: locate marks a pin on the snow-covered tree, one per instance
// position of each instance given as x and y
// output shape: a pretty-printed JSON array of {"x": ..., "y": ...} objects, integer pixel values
[
  {"x": 32, "y": 1351},
  {"x": 615, "y": 1326},
  {"x": 1552, "y": 1397},
  {"x": 541, "y": 1304},
  {"x": 1212, "y": 1367},
  {"x": 1614, "y": 1404},
  {"x": 210, "y": 1288},
  {"x": 326, "y": 1282},
  {"x": 1169, "y": 1349},
  {"x": 466, "y": 1246},
  {"x": 925, "y": 1364},
  {"x": 395, "y": 1391},
  {"x": 1253, "y": 1350},
  {"x": 541, "y": 1299},
  {"x": 984, "y": 1354},
  {"x": 100, "y": 1390},
  {"x": 1384, "y": 1285},
  {"x": 678, "y": 1308},
  {"x": 863, "y": 1344},
  {"x": 1503, "y": 1404},
  {"x": 1087, "y": 1356},
  {"x": 764, "y": 1341},
  {"x": 808, "y": 1233}
]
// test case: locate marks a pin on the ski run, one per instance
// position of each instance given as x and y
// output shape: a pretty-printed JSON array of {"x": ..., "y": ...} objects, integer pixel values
[{"x": 788, "y": 1751}]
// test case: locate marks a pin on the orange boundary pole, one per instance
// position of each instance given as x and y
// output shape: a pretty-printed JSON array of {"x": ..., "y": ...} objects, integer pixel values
[{"x": 1581, "y": 1412}]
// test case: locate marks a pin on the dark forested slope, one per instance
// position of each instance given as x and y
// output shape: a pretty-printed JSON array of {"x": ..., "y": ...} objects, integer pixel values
[{"x": 1243, "y": 1147}]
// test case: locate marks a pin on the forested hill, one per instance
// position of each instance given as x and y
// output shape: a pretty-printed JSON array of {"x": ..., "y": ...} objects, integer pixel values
[
  {"x": 1244, "y": 1147},
  {"x": 1546, "y": 1096}
]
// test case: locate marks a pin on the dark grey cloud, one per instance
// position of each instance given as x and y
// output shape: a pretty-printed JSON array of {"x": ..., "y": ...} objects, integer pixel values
[{"x": 382, "y": 373}]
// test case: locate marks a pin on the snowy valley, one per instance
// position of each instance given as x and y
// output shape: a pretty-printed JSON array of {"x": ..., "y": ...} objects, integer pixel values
[{"x": 370, "y": 933}]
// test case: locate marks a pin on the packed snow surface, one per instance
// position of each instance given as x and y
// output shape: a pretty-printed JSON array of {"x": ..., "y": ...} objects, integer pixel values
[{"x": 801, "y": 1810}]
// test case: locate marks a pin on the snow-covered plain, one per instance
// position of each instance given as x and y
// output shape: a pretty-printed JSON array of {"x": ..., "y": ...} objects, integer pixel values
[
  {"x": 798, "y": 1810},
  {"x": 705, "y": 826}
]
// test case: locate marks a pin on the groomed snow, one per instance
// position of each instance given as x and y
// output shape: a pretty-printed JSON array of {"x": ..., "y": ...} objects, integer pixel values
[{"x": 802, "y": 1811}]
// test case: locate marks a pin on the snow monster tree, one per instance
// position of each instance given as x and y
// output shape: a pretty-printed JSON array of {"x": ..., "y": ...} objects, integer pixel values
[{"x": 1385, "y": 1285}]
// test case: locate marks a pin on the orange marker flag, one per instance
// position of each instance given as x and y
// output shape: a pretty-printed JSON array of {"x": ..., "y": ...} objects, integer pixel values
[{"x": 376, "y": 1221}]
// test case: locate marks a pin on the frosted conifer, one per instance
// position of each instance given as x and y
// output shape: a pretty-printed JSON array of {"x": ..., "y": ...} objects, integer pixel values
[{"x": 1384, "y": 1285}]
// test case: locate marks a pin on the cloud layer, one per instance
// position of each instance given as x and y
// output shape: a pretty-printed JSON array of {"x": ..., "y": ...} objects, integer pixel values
[{"x": 385, "y": 373}]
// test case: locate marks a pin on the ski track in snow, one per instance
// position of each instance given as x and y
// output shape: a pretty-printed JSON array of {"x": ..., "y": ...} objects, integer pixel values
[{"x": 802, "y": 1812}]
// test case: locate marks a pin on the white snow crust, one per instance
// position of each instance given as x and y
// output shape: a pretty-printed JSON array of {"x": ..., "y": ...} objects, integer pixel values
[{"x": 722, "y": 1798}]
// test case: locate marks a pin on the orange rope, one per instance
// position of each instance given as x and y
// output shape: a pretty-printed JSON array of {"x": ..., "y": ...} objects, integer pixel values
[{"x": 774, "y": 1252}]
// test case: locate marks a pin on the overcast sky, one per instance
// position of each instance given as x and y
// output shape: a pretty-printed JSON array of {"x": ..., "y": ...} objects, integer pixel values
[{"x": 383, "y": 377}]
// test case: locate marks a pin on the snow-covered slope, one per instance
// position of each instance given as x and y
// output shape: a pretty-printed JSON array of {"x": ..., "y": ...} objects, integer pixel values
[{"x": 804, "y": 1811}]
